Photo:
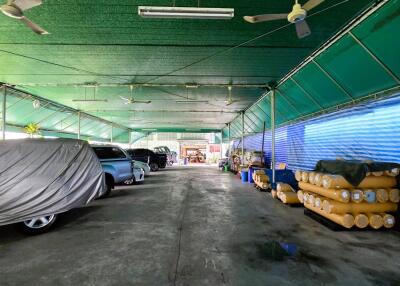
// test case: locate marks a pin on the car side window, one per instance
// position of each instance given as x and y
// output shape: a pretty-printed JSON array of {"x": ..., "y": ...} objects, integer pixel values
[
  {"x": 118, "y": 153},
  {"x": 109, "y": 153}
]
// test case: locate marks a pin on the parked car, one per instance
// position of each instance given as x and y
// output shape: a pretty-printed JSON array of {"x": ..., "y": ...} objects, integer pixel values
[
  {"x": 154, "y": 160},
  {"x": 138, "y": 176},
  {"x": 41, "y": 178},
  {"x": 116, "y": 163},
  {"x": 171, "y": 156},
  {"x": 144, "y": 166}
]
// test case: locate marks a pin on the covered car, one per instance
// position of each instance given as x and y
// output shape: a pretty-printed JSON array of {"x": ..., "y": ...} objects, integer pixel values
[{"x": 40, "y": 178}]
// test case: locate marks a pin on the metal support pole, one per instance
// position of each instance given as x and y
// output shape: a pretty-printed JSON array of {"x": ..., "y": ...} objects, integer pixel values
[
  {"x": 242, "y": 162},
  {"x": 375, "y": 58},
  {"x": 130, "y": 139},
  {"x": 229, "y": 134},
  {"x": 3, "y": 115},
  {"x": 273, "y": 136},
  {"x": 111, "y": 135},
  {"x": 79, "y": 125},
  {"x": 221, "y": 147}
]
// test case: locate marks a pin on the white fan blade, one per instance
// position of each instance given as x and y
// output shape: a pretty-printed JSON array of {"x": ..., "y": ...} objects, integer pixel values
[
  {"x": 311, "y": 4},
  {"x": 24, "y": 5},
  {"x": 265, "y": 17},
  {"x": 302, "y": 29},
  {"x": 36, "y": 28}
]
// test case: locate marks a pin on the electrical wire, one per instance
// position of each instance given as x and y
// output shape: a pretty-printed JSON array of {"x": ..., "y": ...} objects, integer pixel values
[
  {"x": 178, "y": 69},
  {"x": 242, "y": 44}
]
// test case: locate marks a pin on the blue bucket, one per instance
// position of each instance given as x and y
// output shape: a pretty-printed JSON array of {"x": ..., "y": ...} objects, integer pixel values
[
  {"x": 245, "y": 176},
  {"x": 250, "y": 179}
]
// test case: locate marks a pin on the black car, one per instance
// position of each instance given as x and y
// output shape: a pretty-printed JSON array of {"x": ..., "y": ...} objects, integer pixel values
[{"x": 154, "y": 160}]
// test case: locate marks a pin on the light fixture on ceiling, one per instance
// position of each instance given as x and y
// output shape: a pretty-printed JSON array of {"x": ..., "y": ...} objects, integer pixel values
[
  {"x": 36, "y": 104},
  {"x": 192, "y": 85},
  {"x": 149, "y": 129},
  {"x": 191, "y": 101},
  {"x": 186, "y": 12}
]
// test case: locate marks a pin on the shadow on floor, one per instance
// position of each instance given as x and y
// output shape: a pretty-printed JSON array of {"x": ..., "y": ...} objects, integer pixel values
[{"x": 12, "y": 233}]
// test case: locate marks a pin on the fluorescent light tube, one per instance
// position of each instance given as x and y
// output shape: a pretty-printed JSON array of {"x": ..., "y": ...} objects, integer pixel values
[
  {"x": 191, "y": 101},
  {"x": 185, "y": 12}
]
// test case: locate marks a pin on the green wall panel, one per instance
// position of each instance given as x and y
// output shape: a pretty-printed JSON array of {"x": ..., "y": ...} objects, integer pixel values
[
  {"x": 354, "y": 69},
  {"x": 380, "y": 28}
]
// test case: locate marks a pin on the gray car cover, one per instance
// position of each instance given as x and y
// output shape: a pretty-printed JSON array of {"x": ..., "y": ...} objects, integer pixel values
[{"x": 40, "y": 177}]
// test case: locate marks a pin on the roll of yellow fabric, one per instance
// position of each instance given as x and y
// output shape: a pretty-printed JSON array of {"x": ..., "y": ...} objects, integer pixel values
[
  {"x": 318, "y": 179},
  {"x": 388, "y": 220},
  {"x": 346, "y": 220},
  {"x": 289, "y": 198},
  {"x": 357, "y": 196},
  {"x": 318, "y": 202},
  {"x": 393, "y": 172},
  {"x": 375, "y": 220},
  {"x": 339, "y": 195},
  {"x": 297, "y": 175},
  {"x": 331, "y": 206},
  {"x": 394, "y": 195},
  {"x": 382, "y": 195},
  {"x": 283, "y": 187},
  {"x": 304, "y": 176},
  {"x": 370, "y": 182},
  {"x": 311, "y": 178},
  {"x": 300, "y": 194},
  {"x": 263, "y": 178},
  {"x": 311, "y": 200},
  {"x": 361, "y": 221}
]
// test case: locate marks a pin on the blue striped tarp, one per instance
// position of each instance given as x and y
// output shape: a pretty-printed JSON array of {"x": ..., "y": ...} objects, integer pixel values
[{"x": 368, "y": 131}]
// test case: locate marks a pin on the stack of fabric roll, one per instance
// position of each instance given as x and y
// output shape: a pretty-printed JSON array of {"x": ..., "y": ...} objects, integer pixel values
[
  {"x": 371, "y": 203},
  {"x": 261, "y": 179},
  {"x": 286, "y": 194}
]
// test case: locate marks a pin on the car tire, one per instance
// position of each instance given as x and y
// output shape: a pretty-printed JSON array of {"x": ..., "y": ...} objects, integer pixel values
[
  {"x": 130, "y": 182},
  {"x": 154, "y": 167},
  {"x": 109, "y": 187},
  {"x": 38, "y": 225}
]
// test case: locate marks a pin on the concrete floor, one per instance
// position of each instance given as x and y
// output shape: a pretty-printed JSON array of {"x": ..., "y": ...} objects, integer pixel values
[{"x": 195, "y": 226}]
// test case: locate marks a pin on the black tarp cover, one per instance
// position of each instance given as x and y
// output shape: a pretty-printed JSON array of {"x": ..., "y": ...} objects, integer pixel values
[
  {"x": 46, "y": 176},
  {"x": 352, "y": 170}
]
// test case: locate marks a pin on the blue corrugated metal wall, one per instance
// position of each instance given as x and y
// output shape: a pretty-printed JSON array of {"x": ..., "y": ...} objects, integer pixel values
[{"x": 368, "y": 131}]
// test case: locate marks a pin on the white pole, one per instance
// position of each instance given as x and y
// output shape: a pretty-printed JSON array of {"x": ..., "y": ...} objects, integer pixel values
[
  {"x": 242, "y": 138},
  {"x": 79, "y": 125},
  {"x": 3, "y": 113},
  {"x": 111, "y": 135},
  {"x": 273, "y": 135},
  {"x": 221, "y": 146}
]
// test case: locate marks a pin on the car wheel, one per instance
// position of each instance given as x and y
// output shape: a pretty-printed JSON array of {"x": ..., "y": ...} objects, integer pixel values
[
  {"x": 109, "y": 186},
  {"x": 129, "y": 182},
  {"x": 154, "y": 167},
  {"x": 38, "y": 225}
]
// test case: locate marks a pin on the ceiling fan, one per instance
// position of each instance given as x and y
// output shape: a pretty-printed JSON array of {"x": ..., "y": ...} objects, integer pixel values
[
  {"x": 229, "y": 101},
  {"x": 296, "y": 16},
  {"x": 131, "y": 100},
  {"x": 16, "y": 8}
]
